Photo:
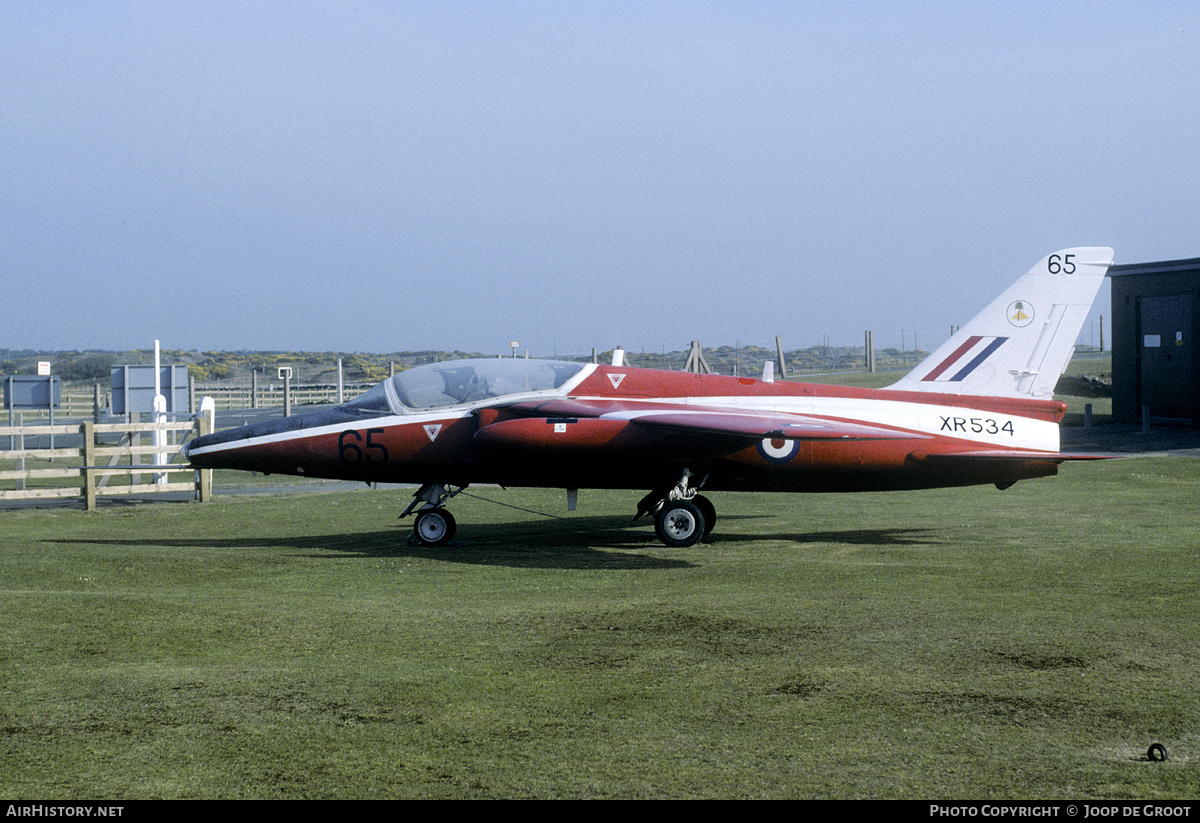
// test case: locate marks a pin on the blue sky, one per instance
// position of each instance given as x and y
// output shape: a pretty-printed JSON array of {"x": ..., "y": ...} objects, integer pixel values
[{"x": 385, "y": 176}]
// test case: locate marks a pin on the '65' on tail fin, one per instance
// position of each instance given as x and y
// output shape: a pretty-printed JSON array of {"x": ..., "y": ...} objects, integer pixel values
[{"x": 1020, "y": 344}]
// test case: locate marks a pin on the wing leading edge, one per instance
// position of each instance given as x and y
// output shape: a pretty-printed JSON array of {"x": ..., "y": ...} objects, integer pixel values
[
  {"x": 760, "y": 426},
  {"x": 726, "y": 422}
]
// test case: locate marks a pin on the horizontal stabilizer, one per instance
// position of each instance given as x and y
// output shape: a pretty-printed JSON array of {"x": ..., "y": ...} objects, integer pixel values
[{"x": 1008, "y": 454}]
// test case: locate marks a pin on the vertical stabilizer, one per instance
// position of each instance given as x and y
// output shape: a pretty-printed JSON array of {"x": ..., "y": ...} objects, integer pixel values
[{"x": 1020, "y": 344}]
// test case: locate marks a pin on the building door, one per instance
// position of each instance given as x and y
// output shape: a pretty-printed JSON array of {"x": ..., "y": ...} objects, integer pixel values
[{"x": 1165, "y": 341}]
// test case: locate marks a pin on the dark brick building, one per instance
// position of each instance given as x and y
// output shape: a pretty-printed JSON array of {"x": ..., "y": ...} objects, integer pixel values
[{"x": 1155, "y": 319}]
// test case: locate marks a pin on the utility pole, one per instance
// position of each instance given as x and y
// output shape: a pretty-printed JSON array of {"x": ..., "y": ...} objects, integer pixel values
[{"x": 696, "y": 362}]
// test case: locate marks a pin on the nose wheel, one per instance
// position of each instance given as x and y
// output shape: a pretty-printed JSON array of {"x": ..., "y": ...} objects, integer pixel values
[{"x": 434, "y": 527}]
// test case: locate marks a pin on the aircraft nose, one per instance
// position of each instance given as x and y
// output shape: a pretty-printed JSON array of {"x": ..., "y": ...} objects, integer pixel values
[
  {"x": 266, "y": 446},
  {"x": 197, "y": 451},
  {"x": 230, "y": 448}
]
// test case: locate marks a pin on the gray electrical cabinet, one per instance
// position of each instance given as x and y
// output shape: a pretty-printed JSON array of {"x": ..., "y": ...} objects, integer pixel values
[{"x": 133, "y": 388}]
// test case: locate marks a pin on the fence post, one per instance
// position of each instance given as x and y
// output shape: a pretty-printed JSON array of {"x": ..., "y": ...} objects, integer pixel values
[
  {"x": 204, "y": 425},
  {"x": 89, "y": 466},
  {"x": 19, "y": 444},
  {"x": 135, "y": 441}
]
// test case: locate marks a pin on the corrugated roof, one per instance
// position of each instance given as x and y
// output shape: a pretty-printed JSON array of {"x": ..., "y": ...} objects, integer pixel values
[{"x": 1162, "y": 267}]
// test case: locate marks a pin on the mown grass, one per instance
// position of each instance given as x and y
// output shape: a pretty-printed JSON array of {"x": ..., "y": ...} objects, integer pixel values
[{"x": 954, "y": 643}]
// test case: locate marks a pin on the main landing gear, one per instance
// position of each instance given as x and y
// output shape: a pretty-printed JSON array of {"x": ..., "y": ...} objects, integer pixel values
[
  {"x": 434, "y": 525},
  {"x": 682, "y": 517}
]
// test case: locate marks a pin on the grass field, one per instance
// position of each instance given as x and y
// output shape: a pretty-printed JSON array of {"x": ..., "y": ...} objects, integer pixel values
[
  {"x": 963, "y": 643},
  {"x": 949, "y": 644}
]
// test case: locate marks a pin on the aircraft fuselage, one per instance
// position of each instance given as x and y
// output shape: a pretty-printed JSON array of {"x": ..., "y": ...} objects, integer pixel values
[{"x": 507, "y": 441}]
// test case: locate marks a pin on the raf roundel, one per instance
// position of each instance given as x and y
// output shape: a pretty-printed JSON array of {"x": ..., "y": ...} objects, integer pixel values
[{"x": 778, "y": 450}]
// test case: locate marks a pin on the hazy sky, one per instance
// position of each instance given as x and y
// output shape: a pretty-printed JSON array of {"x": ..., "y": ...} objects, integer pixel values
[{"x": 384, "y": 176}]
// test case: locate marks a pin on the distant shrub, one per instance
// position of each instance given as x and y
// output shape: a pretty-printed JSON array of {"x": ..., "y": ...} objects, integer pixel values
[{"x": 86, "y": 367}]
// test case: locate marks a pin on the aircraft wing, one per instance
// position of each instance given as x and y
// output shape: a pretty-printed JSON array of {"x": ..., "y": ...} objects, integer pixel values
[
  {"x": 759, "y": 426},
  {"x": 752, "y": 425}
]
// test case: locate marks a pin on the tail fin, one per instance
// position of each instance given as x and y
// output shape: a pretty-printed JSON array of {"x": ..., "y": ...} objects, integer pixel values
[{"x": 1020, "y": 344}]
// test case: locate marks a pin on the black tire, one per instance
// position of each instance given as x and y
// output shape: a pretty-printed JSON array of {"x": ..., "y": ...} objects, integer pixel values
[
  {"x": 434, "y": 527},
  {"x": 679, "y": 524},
  {"x": 1157, "y": 753},
  {"x": 709, "y": 511}
]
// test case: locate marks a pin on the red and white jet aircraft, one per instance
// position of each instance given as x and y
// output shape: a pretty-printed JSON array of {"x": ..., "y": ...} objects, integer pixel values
[{"x": 978, "y": 410}]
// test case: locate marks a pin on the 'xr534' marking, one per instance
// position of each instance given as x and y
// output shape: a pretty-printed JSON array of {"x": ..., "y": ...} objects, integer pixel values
[{"x": 976, "y": 425}]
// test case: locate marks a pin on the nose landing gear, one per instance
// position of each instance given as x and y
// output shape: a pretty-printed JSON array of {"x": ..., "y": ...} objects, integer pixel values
[{"x": 434, "y": 525}]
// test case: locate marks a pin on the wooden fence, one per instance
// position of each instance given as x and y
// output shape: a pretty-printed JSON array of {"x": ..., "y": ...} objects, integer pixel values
[
  {"x": 97, "y": 462},
  {"x": 241, "y": 395}
]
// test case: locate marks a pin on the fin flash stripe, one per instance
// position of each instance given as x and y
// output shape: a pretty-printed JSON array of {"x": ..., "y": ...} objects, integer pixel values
[{"x": 972, "y": 353}]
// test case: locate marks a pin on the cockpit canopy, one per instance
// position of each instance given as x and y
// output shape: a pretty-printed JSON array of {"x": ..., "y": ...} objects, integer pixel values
[{"x": 459, "y": 382}]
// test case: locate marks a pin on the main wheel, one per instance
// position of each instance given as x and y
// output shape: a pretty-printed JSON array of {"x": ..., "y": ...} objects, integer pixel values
[
  {"x": 434, "y": 527},
  {"x": 679, "y": 523},
  {"x": 708, "y": 510}
]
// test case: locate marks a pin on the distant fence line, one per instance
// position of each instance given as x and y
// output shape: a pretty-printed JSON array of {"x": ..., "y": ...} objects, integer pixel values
[
  {"x": 227, "y": 395},
  {"x": 242, "y": 395}
]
